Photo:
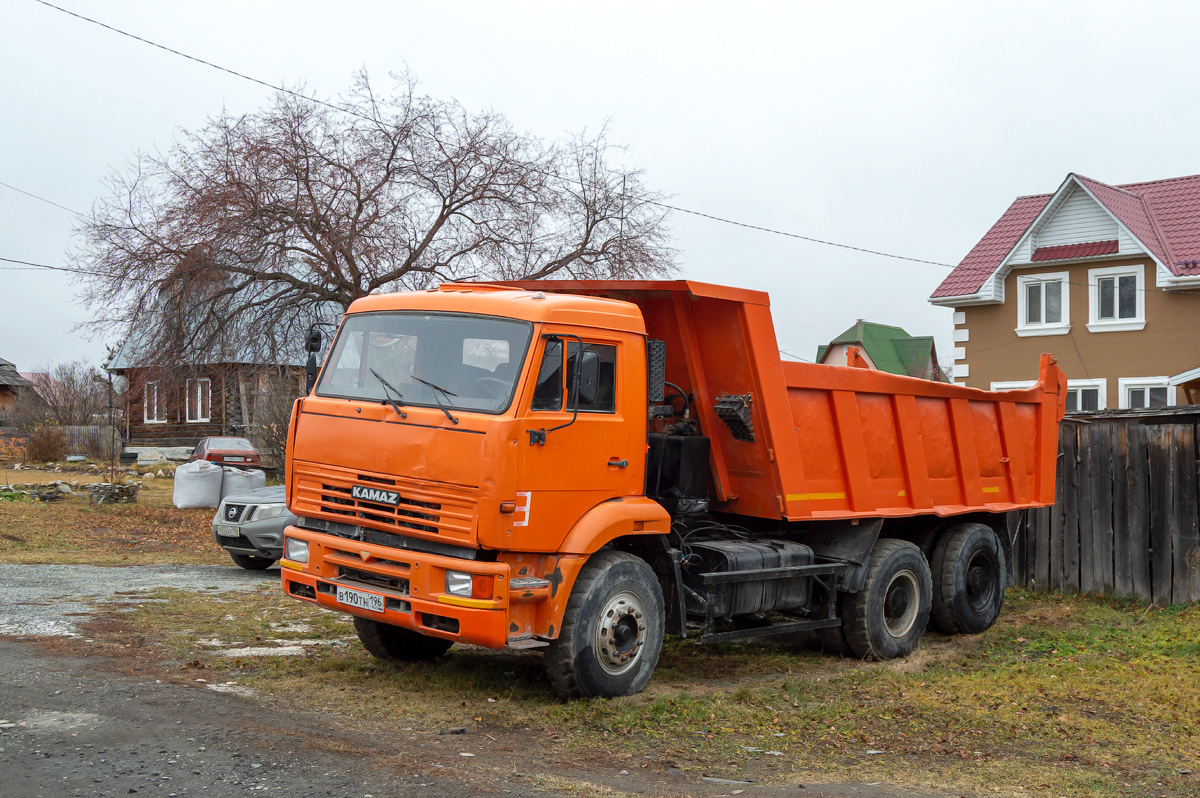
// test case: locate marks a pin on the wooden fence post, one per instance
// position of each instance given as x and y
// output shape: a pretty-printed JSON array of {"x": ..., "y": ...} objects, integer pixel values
[
  {"x": 1162, "y": 498},
  {"x": 1183, "y": 515},
  {"x": 1138, "y": 515}
]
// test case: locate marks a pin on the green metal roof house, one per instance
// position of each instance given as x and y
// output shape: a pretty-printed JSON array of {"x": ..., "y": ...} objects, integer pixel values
[{"x": 888, "y": 349}]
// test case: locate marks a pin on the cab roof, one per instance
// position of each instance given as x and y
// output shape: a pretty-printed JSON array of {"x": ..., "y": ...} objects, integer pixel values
[{"x": 511, "y": 302}]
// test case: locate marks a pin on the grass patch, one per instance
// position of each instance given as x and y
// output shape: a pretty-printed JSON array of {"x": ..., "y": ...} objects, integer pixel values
[
  {"x": 1071, "y": 696},
  {"x": 73, "y": 531}
]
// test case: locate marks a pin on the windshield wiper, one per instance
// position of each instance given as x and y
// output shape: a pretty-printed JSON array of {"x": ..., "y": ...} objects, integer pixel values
[
  {"x": 440, "y": 389},
  {"x": 389, "y": 387}
]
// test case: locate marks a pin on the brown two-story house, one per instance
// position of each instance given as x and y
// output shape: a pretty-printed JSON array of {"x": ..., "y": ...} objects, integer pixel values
[{"x": 1107, "y": 278}]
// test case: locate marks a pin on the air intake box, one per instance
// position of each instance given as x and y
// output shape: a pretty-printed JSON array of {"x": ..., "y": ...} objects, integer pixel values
[{"x": 745, "y": 598}]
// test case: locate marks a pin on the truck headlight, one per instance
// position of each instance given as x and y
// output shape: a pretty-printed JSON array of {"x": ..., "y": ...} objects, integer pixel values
[
  {"x": 480, "y": 586},
  {"x": 266, "y": 511},
  {"x": 458, "y": 583},
  {"x": 295, "y": 550}
]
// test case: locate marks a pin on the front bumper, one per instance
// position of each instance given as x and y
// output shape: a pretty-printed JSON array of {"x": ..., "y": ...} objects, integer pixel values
[
  {"x": 412, "y": 584},
  {"x": 258, "y": 538}
]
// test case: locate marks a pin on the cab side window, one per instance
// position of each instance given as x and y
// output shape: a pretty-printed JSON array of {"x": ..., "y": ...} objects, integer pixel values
[{"x": 602, "y": 395}]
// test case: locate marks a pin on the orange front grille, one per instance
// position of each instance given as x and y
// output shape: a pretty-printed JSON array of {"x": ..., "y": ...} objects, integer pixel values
[{"x": 423, "y": 510}]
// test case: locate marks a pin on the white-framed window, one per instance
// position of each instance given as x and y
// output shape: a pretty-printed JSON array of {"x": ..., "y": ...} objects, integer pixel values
[
  {"x": 152, "y": 410},
  {"x": 199, "y": 400},
  {"x": 1043, "y": 304},
  {"x": 1117, "y": 298},
  {"x": 1084, "y": 396},
  {"x": 1013, "y": 385},
  {"x": 1138, "y": 393}
]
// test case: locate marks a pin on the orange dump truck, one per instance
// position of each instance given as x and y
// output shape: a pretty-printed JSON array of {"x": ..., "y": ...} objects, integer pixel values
[{"x": 584, "y": 467}]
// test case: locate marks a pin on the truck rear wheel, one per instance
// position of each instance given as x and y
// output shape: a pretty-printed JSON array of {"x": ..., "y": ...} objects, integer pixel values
[
  {"x": 886, "y": 619},
  {"x": 397, "y": 644},
  {"x": 968, "y": 579},
  {"x": 612, "y": 632}
]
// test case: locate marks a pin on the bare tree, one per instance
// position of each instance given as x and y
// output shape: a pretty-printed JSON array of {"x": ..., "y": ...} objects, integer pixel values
[
  {"x": 69, "y": 394},
  {"x": 231, "y": 243}
]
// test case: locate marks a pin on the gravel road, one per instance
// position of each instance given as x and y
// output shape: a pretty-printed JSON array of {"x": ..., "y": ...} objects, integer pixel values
[
  {"x": 67, "y": 729},
  {"x": 46, "y": 600}
]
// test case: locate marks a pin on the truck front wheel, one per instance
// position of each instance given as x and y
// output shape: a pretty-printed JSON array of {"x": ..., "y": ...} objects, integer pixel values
[
  {"x": 612, "y": 631},
  {"x": 886, "y": 619},
  {"x": 397, "y": 644},
  {"x": 968, "y": 580}
]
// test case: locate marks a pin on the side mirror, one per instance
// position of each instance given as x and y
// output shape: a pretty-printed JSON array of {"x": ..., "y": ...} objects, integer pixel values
[
  {"x": 313, "y": 344},
  {"x": 588, "y": 365}
]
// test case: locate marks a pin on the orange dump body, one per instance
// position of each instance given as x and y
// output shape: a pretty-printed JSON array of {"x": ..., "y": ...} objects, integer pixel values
[{"x": 833, "y": 442}]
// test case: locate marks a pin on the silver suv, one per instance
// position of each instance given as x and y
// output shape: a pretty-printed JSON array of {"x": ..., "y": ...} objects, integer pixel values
[{"x": 250, "y": 526}]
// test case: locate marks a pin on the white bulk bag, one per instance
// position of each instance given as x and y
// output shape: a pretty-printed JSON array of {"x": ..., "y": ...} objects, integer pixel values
[
  {"x": 259, "y": 478},
  {"x": 236, "y": 481},
  {"x": 197, "y": 484}
]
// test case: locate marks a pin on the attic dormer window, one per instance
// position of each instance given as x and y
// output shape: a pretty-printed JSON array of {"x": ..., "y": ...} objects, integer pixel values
[{"x": 1043, "y": 304}]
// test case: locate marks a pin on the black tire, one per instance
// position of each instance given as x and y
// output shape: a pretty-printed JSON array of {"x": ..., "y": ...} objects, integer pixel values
[
  {"x": 886, "y": 619},
  {"x": 251, "y": 562},
  {"x": 397, "y": 644},
  {"x": 616, "y": 598},
  {"x": 969, "y": 575}
]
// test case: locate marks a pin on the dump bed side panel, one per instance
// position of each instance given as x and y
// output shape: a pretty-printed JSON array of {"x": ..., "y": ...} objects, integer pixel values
[{"x": 876, "y": 444}]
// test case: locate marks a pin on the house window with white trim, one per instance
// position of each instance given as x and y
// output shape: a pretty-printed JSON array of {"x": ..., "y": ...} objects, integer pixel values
[
  {"x": 1084, "y": 396},
  {"x": 152, "y": 411},
  {"x": 1043, "y": 304},
  {"x": 1116, "y": 299},
  {"x": 1140, "y": 393},
  {"x": 199, "y": 400}
]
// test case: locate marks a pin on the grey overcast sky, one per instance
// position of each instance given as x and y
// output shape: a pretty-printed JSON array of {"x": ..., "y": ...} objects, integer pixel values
[{"x": 901, "y": 127}]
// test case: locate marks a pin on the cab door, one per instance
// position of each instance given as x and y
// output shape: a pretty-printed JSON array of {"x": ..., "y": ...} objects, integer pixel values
[{"x": 583, "y": 436}]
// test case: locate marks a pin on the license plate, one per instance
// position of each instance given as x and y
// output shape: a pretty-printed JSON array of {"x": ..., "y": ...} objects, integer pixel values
[
  {"x": 235, "y": 459},
  {"x": 359, "y": 599},
  {"x": 227, "y": 531}
]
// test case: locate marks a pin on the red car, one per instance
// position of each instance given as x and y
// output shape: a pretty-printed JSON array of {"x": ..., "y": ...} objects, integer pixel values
[{"x": 227, "y": 451}]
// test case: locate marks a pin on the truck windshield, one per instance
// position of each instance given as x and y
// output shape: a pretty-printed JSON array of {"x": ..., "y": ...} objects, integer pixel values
[{"x": 431, "y": 359}]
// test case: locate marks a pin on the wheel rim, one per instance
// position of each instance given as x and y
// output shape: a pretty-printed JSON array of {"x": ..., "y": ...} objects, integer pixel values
[
  {"x": 621, "y": 633},
  {"x": 981, "y": 581},
  {"x": 900, "y": 603}
]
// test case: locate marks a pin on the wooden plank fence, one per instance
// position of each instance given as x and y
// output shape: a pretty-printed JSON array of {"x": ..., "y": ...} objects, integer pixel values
[{"x": 1126, "y": 517}]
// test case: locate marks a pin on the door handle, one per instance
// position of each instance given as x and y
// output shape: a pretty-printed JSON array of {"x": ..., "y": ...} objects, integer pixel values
[{"x": 612, "y": 461}]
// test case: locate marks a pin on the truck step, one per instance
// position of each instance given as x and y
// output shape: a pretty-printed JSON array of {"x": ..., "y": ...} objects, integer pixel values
[
  {"x": 522, "y": 643},
  {"x": 527, "y": 583}
]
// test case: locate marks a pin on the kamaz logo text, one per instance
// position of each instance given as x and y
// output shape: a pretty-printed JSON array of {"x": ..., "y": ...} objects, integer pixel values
[{"x": 375, "y": 495}]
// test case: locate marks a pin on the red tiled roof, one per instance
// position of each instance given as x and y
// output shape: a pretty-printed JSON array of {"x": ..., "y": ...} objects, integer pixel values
[
  {"x": 1163, "y": 214},
  {"x": 1087, "y": 250},
  {"x": 983, "y": 259}
]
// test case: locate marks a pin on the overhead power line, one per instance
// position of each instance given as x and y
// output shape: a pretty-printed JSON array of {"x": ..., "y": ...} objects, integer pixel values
[
  {"x": 797, "y": 235},
  {"x": 352, "y": 112},
  {"x": 30, "y": 266},
  {"x": 42, "y": 199},
  {"x": 233, "y": 72}
]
